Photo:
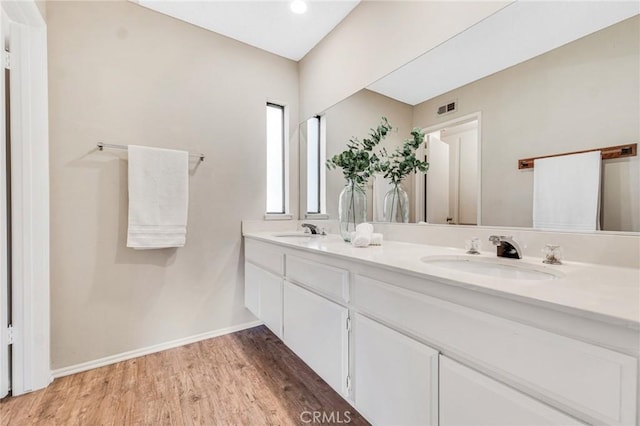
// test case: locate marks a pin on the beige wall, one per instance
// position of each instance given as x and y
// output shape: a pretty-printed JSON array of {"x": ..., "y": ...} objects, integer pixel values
[
  {"x": 355, "y": 116},
  {"x": 123, "y": 74},
  {"x": 583, "y": 95},
  {"x": 376, "y": 38}
]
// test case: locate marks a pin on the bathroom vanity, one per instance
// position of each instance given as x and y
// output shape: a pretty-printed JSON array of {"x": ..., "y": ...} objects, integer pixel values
[{"x": 407, "y": 337}]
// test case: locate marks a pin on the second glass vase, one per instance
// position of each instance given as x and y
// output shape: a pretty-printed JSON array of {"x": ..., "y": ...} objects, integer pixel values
[{"x": 396, "y": 205}]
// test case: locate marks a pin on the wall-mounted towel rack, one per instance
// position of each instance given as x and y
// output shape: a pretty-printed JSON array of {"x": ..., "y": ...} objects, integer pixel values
[
  {"x": 102, "y": 146},
  {"x": 620, "y": 151}
]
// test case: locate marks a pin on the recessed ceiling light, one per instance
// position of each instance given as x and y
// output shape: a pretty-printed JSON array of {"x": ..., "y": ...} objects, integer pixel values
[{"x": 298, "y": 6}]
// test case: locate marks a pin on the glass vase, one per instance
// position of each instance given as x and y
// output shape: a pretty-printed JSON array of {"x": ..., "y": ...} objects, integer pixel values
[
  {"x": 396, "y": 205},
  {"x": 352, "y": 209}
]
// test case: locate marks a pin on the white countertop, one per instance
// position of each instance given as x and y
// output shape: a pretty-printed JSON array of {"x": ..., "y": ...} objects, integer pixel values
[{"x": 605, "y": 293}]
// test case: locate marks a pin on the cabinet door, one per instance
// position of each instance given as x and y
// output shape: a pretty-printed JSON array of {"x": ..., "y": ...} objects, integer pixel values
[
  {"x": 395, "y": 377},
  {"x": 471, "y": 398},
  {"x": 263, "y": 296},
  {"x": 252, "y": 275},
  {"x": 316, "y": 330}
]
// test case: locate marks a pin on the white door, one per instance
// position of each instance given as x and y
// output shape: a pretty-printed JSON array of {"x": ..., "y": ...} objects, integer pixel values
[
  {"x": 4, "y": 242},
  {"x": 463, "y": 151},
  {"x": 437, "y": 188},
  {"x": 316, "y": 330},
  {"x": 395, "y": 377},
  {"x": 29, "y": 234},
  {"x": 470, "y": 398}
]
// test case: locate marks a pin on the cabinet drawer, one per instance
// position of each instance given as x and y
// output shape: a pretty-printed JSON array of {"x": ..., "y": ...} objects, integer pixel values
[
  {"x": 264, "y": 255},
  {"x": 586, "y": 378},
  {"x": 328, "y": 280}
]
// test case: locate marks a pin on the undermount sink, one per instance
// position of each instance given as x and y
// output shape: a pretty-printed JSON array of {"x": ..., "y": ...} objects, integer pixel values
[
  {"x": 294, "y": 234},
  {"x": 500, "y": 268}
]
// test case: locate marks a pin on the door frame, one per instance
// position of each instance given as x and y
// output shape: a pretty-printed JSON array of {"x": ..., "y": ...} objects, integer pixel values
[
  {"x": 419, "y": 187},
  {"x": 30, "y": 198},
  {"x": 5, "y": 364}
]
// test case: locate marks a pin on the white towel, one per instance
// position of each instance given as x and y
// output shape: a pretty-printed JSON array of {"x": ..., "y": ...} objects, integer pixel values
[
  {"x": 376, "y": 239},
  {"x": 158, "y": 197},
  {"x": 362, "y": 236},
  {"x": 566, "y": 192}
]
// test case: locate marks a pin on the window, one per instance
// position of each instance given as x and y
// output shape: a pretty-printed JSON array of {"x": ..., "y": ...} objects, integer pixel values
[
  {"x": 315, "y": 166},
  {"x": 276, "y": 182}
]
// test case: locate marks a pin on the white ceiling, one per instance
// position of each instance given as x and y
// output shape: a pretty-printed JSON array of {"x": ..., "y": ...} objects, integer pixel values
[
  {"x": 514, "y": 34},
  {"x": 267, "y": 24}
]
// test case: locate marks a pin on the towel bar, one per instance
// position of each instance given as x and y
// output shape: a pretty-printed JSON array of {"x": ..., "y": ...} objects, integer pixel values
[
  {"x": 628, "y": 150},
  {"x": 102, "y": 146}
]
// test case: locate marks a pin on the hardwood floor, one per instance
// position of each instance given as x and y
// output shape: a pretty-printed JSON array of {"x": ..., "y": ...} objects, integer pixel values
[{"x": 246, "y": 378}]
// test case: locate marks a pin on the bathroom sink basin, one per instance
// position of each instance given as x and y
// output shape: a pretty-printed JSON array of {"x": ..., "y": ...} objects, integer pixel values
[
  {"x": 293, "y": 235},
  {"x": 500, "y": 268}
]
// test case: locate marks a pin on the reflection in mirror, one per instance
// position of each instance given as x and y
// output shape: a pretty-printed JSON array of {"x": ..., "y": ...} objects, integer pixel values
[
  {"x": 354, "y": 117},
  {"x": 450, "y": 188},
  {"x": 580, "y": 96},
  {"x": 314, "y": 141}
]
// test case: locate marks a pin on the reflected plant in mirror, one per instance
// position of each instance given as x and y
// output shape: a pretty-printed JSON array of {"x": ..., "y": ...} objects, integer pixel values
[
  {"x": 357, "y": 163},
  {"x": 395, "y": 167}
]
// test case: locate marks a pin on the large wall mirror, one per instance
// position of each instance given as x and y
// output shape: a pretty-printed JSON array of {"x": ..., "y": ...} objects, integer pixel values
[{"x": 580, "y": 96}]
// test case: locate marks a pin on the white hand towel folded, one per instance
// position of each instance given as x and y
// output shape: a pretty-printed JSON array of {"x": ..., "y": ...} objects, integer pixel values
[
  {"x": 376, "y": 239},
  {"x": 362, "y": 237},
  {"x": 158, "y": 197}
]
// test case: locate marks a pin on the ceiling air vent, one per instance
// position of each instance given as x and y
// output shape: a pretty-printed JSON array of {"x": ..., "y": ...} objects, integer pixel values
[{"x": 448, "y": 108}]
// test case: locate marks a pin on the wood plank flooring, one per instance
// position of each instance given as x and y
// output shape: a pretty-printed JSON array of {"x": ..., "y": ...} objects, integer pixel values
[{"x": 245, "y": 378}]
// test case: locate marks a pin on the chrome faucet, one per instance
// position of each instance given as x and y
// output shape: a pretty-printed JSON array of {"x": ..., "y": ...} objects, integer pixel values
[
  {"x": 506, "y": 246},
  {"x": 313, "y": 228}
]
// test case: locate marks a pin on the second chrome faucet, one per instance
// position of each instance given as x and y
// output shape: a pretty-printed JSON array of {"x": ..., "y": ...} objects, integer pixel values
[{"x": 506, "y": 246}]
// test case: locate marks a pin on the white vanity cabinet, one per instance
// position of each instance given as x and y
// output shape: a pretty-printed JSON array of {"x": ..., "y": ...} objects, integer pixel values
[
  {"x": 315, "y": 329},
  {"x": 300, "y": 302},
  {"x": 471, "y": 398},
  {"x": 411, "y": 348},
  {"x": 395, "y": 377},
  {"x": 264, "y": 284},
  {"x": 316, "y": 319},
  {"x": 589, "y": 379}
]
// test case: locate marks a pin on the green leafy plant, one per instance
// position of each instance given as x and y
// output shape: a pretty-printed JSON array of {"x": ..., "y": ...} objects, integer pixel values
[
  {"x": 358, "y": 161},
  {"x": 403, "y": 160}
]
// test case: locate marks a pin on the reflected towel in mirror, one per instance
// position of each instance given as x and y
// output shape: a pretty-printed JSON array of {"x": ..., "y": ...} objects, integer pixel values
[{"x": 566, "y": 192}]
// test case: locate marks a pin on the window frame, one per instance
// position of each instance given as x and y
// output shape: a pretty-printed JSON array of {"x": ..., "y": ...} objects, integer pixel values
[
  {"x": 284, "y": 214},
  {"x": 318, "y": 152},
  {"x": 322, "y": 171}
]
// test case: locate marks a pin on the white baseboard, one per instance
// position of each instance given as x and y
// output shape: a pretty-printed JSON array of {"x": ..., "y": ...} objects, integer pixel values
[{"x": 101, "y": 362}]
